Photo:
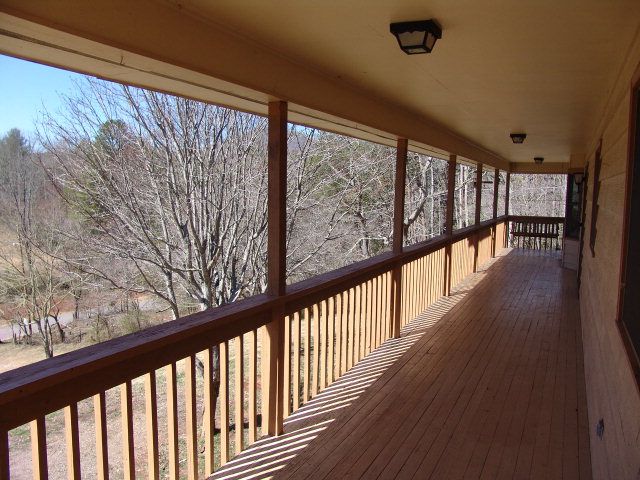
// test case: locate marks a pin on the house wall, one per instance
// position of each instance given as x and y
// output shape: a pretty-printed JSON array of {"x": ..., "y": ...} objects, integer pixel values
[{"x": 612, "y": 393}]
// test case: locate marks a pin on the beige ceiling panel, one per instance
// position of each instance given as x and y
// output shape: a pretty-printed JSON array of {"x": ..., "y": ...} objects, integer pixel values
[{"x": 544, "y": 67}]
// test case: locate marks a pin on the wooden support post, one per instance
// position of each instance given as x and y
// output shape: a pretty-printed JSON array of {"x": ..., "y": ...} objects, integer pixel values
[
  {"x": 448, "y": 227},
  {"x": 398, "y": 233},
  {"x": 478, "y": 192},
  {"x": 506, "y": 210},
  {"x": 273, "y": 338},
  {"x": 476, "y": 236},
  {"x": 398, "y": 199},
  {"x": 506, "y": 195},
  {"x": 496, "y": 189}
]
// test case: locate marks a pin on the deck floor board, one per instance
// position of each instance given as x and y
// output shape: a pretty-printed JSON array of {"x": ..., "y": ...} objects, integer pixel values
[{"x": 487, "y": 383}]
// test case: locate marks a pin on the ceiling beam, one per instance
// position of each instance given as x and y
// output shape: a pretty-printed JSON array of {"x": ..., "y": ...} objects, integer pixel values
[
  {"x": 546, "y": 167},
  {"x": 155, "y": 41}
]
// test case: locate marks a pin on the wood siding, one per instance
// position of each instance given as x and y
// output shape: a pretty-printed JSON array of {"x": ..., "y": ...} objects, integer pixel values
[{"x": 611, "y": 389}]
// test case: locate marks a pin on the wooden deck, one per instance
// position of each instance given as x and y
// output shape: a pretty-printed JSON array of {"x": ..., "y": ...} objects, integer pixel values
[{"x": 487, "y": 383}]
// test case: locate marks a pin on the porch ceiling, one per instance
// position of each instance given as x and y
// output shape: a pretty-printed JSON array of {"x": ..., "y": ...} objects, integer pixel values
[{"x": 540, "y": 66}]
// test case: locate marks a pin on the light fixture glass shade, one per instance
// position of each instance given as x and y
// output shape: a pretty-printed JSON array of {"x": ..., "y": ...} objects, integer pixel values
[
  {"x": 518, "y": 137},
  {"x": 416, "y": 37},
  {"x": 411, "y": 39}
]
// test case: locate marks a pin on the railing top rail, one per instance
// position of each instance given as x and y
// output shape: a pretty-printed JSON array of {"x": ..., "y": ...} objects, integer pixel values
[
  {"x": 51, "y": 384},
  {"x": 535, "y": 219}
]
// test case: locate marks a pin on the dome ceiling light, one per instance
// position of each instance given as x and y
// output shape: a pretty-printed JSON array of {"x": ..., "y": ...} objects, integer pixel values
[
  {"x": 518, "y": 137},
  {"x": 416, "y": 37}
]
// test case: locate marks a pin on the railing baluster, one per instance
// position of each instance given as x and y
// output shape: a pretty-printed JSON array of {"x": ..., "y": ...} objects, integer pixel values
[
  {"x": 375, "y": 316},
  {"x": 296, "y": 361},
  {"x": 72, "y": 441},
  {"x": 253, "y": 384},
  {"x": 366, "y": 317},
  {"x": 239, "y": 389},
  {"x": 287, "y": 368},
  {"x": 191, "y": 413},
  {"x": 39, "y": 449},
  {"x": 172, "y": 420},
  {"x": 307, "y": 355},
  {"x": 209, "y": 419},
  {"x": 386, "y": 307},
  {"x": 323, "y": 345},
  {"x": 337, "y": 364},
  {"x": 414, "y": 290},
  {"x": 407, "y": 306},
  {"x": 316, "y": 350},
  {"x": 371, "y": 316},
  {"x": 126, "y": 412},
  {"x": 357, "y": 324},
  {"x": 224, "y": 403},
  {"x": 344, "y": 347},
  {"x": 151, "y": 419},
  {"x": 331, "y": 321},
  {"x": 352, "y": 327},
  {"x": 422, "y": 284},
  {"x": 102, "y": 448},
  {"x": 363, "y": 320}
]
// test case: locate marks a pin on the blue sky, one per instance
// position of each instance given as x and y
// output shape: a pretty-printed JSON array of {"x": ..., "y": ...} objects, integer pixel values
[{"x": 26, "y": 88}]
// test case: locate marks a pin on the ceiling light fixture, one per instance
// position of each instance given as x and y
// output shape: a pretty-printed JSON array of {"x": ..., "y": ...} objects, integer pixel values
[
  {"x": 538, "y": 160},
  {"x": 518, "y": 137},
  {"x": 416, "y": 37}
]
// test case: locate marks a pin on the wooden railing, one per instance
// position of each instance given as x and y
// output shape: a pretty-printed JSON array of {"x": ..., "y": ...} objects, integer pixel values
[
  {"x": 330, "y": 322},
  {"x": 536, "y": 233}
]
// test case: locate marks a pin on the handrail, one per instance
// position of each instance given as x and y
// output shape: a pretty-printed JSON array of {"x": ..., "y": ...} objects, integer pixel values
[
  {"x": 535, "y": 219},
  {"x": 51, "y": 384},
  {"x": 324, "y": 326}
]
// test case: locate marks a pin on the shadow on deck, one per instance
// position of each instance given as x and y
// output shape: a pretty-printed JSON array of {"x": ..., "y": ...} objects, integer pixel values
[{"x": 486, "y": 383}]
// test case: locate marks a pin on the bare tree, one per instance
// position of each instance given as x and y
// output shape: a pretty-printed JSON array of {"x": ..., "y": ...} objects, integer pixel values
[
  {"x": 31, "y": 279},
  {"x": 174, "y": 190},
  {"x": 426, "y": 197},
  {"x": 345, "y": 206}
]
